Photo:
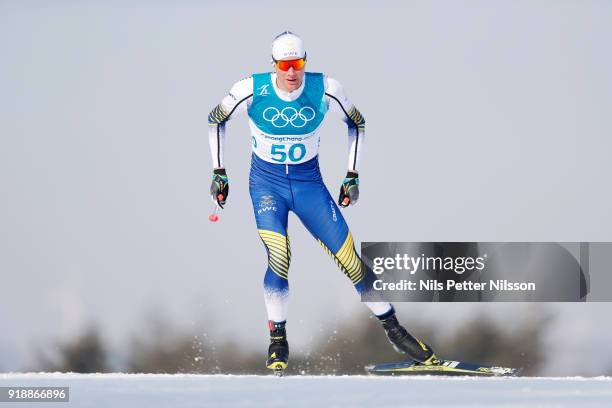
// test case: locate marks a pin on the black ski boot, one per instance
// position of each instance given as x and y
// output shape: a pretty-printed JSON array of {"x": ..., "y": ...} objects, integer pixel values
[
  {"x": 403, "y": 342},
  {"x": 278, "y": 351}
]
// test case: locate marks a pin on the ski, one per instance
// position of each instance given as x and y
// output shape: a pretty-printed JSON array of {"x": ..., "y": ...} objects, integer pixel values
[
  {"x": 443, "y": 367},
  {"x": 279, "y": 372}
]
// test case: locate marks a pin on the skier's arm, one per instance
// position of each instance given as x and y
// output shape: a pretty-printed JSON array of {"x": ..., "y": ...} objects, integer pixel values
[
  {"x": 234, "y": 102},
  {"x": 339, "y": 103}
]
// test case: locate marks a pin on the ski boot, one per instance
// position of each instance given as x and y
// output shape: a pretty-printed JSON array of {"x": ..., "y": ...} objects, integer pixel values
[
  {"x": 403, "y": 342},
  {"x": 278, "y": 351}
]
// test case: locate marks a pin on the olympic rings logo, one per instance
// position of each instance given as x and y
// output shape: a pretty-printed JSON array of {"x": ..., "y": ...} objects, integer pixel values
[{"x": 280, "y": 119}]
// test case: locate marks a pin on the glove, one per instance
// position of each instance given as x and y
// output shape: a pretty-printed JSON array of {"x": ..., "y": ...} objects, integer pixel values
[
  {"x": 349, "y": 190},
  {"x": 219, "y": 188}
]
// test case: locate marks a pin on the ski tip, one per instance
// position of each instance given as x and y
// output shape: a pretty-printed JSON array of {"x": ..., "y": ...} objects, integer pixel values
[
  {"x": 278, "y": 367},
  {"x": 279, "y": 371}
]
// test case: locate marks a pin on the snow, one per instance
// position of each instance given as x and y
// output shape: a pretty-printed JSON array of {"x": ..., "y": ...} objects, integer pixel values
[{"x": 178, "y": 391}]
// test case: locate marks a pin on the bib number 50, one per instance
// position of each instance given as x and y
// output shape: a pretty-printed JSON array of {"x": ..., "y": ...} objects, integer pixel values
[{"x": 295, "y": 153}]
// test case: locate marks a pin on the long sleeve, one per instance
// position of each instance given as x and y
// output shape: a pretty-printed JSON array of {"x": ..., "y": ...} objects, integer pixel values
[
  {"x": 339, "y": 102},
  {"x": 236, "y": 101}
]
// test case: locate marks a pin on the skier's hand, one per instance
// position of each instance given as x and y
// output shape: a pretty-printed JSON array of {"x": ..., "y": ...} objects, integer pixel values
[
  {"x": 219, "y": 188},
  {"x": 349, "y": 190}
]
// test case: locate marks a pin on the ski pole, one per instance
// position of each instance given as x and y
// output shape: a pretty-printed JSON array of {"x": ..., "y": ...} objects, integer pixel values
[{"x": 214, "y": 217}]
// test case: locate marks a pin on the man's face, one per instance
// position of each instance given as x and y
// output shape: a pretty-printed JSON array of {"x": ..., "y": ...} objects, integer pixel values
[{"x": 289, "y": 80}]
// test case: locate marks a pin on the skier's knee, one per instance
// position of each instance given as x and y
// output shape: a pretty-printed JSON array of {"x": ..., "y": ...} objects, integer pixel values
[{"x": 279, "y": 252}]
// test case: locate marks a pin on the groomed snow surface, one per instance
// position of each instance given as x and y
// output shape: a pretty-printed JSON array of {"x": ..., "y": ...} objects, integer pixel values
[{"x": 177, "y": 391}]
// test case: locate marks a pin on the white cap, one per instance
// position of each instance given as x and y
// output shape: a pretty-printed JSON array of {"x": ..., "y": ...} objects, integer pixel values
[{"x": 287, "y": 46}]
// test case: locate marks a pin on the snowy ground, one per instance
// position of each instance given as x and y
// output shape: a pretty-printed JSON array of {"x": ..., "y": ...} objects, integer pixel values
[{"x": 177, "y": 391}]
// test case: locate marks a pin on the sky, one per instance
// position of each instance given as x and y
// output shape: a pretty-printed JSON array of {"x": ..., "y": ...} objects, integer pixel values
[{"x": 486, "y": 121}]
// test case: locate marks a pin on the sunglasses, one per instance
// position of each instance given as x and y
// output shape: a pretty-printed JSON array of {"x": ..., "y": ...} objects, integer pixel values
[{"x": 297, "y": 64}]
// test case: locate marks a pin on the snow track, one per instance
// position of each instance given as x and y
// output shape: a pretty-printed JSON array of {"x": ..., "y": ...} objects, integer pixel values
[{"x": 179, "y": 391}]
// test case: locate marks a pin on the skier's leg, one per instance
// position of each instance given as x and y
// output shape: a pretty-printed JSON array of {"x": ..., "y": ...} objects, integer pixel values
[
  {"x": 271, "y": 213},
  {"x": 319, "y": 213},
  {"x": 322, "y": 217}
]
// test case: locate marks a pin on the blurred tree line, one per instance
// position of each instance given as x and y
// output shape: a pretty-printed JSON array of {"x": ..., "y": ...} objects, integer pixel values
[{"x": 163, "y": 348}]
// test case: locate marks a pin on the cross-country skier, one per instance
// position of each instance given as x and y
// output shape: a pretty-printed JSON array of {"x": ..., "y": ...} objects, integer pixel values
[{"x": 286, "y": 108}]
